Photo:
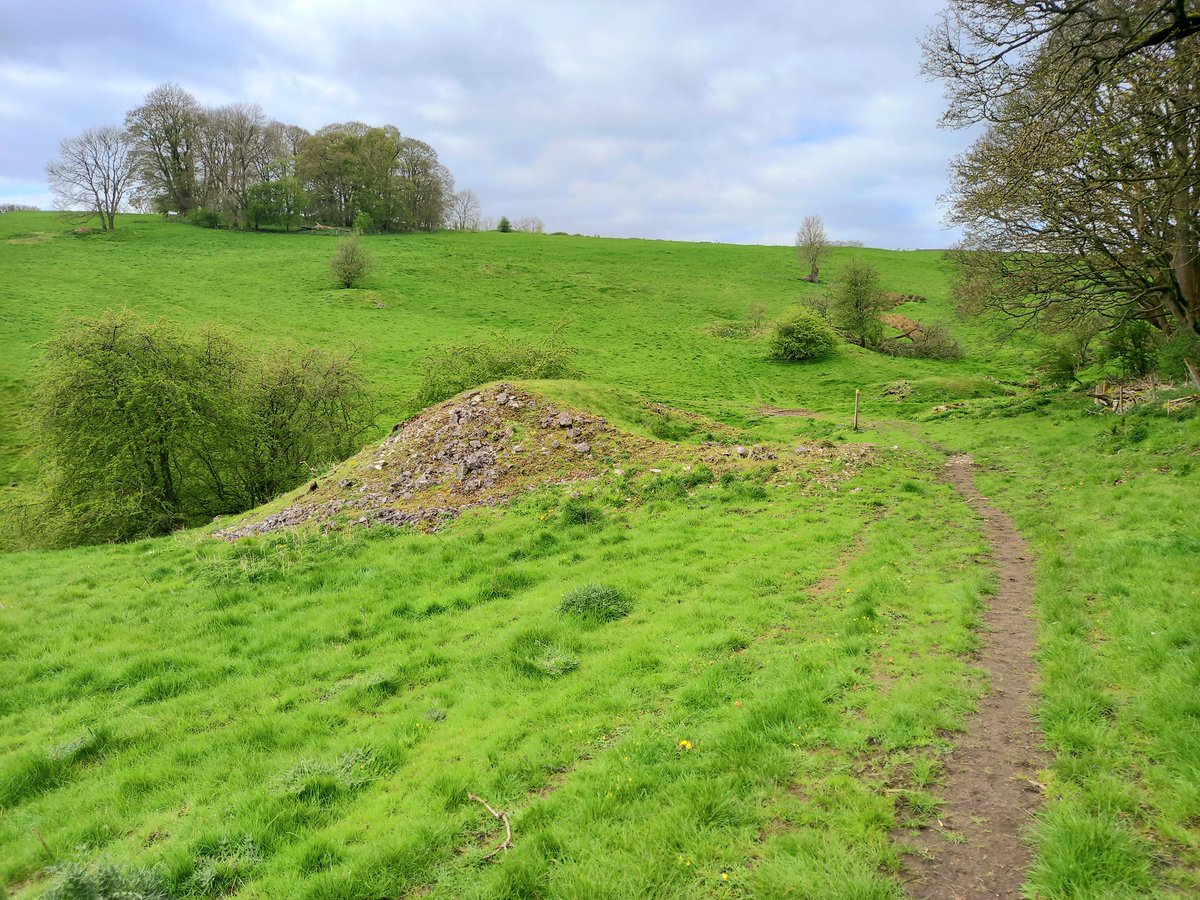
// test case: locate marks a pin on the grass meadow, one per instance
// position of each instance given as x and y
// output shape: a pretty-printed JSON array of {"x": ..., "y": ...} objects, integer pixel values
[{"x": 306, "y": 714}]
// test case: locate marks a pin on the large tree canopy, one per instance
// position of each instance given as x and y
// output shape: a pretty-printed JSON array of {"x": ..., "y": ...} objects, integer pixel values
[{"x": 1082, "y": 198}]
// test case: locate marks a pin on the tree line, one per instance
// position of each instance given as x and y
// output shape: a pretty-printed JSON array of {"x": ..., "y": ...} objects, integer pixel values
[{"x": 232, "y": 166}]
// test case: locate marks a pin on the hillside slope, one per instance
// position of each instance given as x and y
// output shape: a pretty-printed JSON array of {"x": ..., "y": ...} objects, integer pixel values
[{"x": 307, "y": 712}]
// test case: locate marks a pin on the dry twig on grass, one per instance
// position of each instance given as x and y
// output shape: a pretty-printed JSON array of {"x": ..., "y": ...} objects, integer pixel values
[{"x": 503, "y": 817}]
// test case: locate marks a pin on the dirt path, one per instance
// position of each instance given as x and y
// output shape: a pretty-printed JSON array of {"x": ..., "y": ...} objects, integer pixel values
[{"x": 990, "y": 786}]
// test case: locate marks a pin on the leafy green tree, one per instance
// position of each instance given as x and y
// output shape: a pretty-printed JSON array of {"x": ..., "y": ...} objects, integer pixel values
[
  {"x": 165, "y": 131},
  {"x": 504, "y": 225},
  {"x": 351, "y": 263},
  {"x": 145, "y": 428},
  {"x": 278, "y": 202},
  {"x": 352, "y": 168},
  {"x": 1132, "y": 346},
  {"x": 857, "y": 302}
]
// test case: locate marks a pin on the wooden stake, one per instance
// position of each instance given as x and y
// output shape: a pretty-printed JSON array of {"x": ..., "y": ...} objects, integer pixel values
[{"x": 856, "y": 393}]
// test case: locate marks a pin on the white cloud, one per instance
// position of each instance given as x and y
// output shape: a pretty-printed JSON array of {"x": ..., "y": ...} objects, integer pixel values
[{"x": 708, "y": 121}]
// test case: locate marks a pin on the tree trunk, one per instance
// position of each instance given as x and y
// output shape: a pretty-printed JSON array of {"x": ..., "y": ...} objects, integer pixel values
[
  {"x": 813, "y": 274},
  {"x": 1193, "y": 370}
]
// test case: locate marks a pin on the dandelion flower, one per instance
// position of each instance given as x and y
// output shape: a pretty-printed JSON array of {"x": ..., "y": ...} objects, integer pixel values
[{"x": 685, "y": 745}]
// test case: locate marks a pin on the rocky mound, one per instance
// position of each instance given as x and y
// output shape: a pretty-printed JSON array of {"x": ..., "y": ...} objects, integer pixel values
[
  {"x": 477, "y": 449},
  {"x": 488, "y": 445}
]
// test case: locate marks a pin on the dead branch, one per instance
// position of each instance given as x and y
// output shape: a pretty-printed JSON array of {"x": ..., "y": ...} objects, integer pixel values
[
  {"x": 503, "y": 817},
  {"x": 42, "y": 841}
]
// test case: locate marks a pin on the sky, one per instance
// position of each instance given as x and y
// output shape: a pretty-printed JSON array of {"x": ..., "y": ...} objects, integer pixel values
[{"x": 707, "y": 121}]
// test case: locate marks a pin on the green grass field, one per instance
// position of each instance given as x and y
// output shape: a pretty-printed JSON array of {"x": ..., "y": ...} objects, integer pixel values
[{"x": 306, "y": 714}]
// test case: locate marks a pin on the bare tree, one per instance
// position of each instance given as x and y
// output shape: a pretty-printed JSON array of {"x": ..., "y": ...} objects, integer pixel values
[
  {"x": 235, "y": 152},
  {"x": 529, "y": 225},
  {"x": 93, "y": 173},
  {"x": 812, "y": 244},
  {"x": 463, "y": 212}
]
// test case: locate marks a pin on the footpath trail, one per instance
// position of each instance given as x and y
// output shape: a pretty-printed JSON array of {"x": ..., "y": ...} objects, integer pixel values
[{"x": 990, "y": 791}]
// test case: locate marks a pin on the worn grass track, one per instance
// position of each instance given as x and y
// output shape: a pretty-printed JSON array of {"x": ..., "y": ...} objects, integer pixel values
[{"x": 990, "y": 782}]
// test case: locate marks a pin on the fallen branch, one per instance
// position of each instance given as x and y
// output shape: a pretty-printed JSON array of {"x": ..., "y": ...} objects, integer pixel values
[
  {"x": 503, "y": 817},
  {"x": 42, "y": 840}
]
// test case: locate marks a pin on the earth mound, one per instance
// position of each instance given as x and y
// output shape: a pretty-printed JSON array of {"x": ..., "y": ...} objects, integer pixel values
[
  {"x": 489, "y": 445},
  {"x": 477, "y": 449}
]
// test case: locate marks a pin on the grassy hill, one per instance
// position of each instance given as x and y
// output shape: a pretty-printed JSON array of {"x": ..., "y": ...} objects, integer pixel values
[{"x": 309, "y": 714}]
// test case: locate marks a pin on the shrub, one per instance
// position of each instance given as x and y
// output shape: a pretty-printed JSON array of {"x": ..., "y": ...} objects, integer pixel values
[
  {"x": 145, "y": 427},
  {"x": 351, "y": 263},
  {"x": 452, "y": 368},
  {"x": 504, "y": 226},
  {"x": 205, "y": 217},
  {"x": 1070, "y": 352},
  {"x": 1172, "y": 358},
  {"x": 595, "y": 603},
  {"x": 1132, "y": 347},
  {"x": 801, "y": 335}
]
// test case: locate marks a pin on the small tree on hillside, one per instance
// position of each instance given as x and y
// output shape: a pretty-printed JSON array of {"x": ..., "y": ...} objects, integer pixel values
[
  {"x": 504, "y": 225},
  {"x": 857, "y": 303},
  {"x": 351, "y": 263},
  {"x": 812, "y": 244}
]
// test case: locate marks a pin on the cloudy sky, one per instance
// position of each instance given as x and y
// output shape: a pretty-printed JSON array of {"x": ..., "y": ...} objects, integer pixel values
[{"x": 723, "y": 121}]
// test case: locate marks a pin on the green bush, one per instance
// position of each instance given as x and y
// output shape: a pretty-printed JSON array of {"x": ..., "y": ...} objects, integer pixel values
[
  {"x": 801, "y": 335},
  {"x": 1182, "y": 346},
  {"x": 596, "y": 603},
  {"x": 452, "y": 368},
  {"x": 1131, "y": 348},
  {"x": 205, "y": 217},
  {"x": 145, "y": 427}
]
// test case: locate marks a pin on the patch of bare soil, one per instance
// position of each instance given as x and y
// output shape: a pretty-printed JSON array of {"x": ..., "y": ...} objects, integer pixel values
[
  {"x": 487, "y": 446},
  {"x": 908, "y": 326},
  {"x": 786, "y": 413},
  {"x": 991, "y": 788}
]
